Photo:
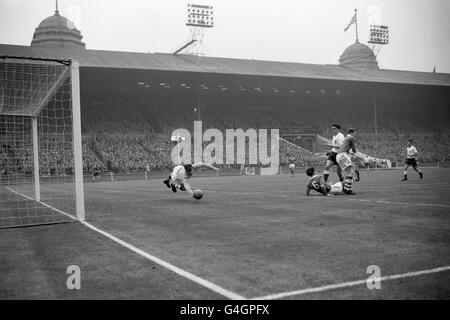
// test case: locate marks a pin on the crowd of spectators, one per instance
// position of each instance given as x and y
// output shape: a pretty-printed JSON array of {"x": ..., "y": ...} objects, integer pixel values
[
  {"x": 91, "y": 162},
  {"x": 133, "y": 154},
  {"x": 431, "y": 148},
  {"x": 122, "y": 154},
  {"x": 120, "y": 139},
  {"x": 104, "y": 120}
]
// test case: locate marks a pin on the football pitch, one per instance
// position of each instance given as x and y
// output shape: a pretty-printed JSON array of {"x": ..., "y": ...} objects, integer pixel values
[{"x": 250, "y": 237}]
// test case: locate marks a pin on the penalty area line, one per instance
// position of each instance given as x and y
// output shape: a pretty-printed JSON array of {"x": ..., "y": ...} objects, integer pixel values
[
  {"x": 401, "y": 203},
  {"x": 192, "y": 277},
  {"x": 350, "y": 284},
  {"x": 344, "y": 197}
]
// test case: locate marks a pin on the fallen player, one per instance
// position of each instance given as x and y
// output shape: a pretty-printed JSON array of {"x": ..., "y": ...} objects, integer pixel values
[{"x": 317, "y": 183}]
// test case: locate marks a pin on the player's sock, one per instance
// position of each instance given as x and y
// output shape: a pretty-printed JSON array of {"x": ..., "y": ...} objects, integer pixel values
[
  {"x": 405, "y": 176},
  {"x": 174, "y": 188},
  {"x": 421, "y": 174},
  {"x": 325, "y": 175},
  {"x": 357, "y": 175},
  {"x": 348, "y": 185}
]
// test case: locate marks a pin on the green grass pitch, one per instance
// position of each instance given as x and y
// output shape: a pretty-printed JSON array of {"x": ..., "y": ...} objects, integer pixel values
[{"x": 252, "y": 235}]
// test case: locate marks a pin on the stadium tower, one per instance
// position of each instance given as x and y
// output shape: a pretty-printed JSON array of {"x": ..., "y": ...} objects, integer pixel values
[
  {"x": 57, "y": 31},
  {"x": 358, "y": 55}
]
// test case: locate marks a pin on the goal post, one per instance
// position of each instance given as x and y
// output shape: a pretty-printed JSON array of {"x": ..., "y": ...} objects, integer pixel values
[
  {"x": 41, "y": 168},
  {"x": 77, "y": 141}
]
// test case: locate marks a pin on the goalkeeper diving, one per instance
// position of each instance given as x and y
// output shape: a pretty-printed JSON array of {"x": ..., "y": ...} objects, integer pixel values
[{"x": 179, "y": 178}]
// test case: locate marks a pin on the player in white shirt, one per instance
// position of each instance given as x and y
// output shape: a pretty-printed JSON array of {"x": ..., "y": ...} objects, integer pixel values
[
  {"x": 147, "y": 171},
  {"x": 338, "y": 138},
  {"x": 179, "y": 178},
  {"x": 411, "y": 160},
  {"x": 292, "y": 165}
]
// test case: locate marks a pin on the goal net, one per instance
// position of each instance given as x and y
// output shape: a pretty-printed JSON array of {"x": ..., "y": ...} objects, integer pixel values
[
  {"x": 303, "y": 157},
  {"x": 40, "y": 142}
]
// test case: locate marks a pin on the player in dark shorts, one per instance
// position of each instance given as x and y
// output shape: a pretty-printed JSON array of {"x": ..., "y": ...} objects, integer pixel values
[
  {"x": 95, "y": 175},
  {"x": 4, "y": 172},
  {"x": 411, "y": 160},
  {"x": 336, "y": 141}
]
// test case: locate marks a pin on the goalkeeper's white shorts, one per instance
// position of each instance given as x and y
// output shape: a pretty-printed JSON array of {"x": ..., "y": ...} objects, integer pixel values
[{"x": 343, "y": 159}]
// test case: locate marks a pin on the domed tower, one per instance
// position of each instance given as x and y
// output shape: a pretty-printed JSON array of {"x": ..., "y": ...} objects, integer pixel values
[
  {"x": 57, "y": 32},
  {"x": 358, "y": 55}
]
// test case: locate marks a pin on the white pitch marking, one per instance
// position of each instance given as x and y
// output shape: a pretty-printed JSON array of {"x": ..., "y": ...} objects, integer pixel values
[
  {"x": 350, "y": 284},
  {"x": 402, "y": 203},
  {"x": 43, "y": 203},
  {"x": 224, "y": 292},
  {"x": 205, "y": 283}
]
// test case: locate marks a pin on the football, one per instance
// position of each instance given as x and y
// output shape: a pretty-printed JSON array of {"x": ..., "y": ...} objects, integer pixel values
[{"x": 198, "y": 194}]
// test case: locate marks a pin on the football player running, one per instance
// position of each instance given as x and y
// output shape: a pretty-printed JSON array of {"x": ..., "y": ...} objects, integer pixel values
[{"x": 411, "y": 160}]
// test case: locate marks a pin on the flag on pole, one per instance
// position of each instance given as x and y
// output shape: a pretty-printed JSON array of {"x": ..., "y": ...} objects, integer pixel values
[{"x": 351, "y": 22}]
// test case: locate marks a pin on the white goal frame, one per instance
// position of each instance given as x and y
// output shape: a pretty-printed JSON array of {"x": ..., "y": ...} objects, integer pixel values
[
  {"x": 77, "y": 141},
  {"x": 71, "y": 71}
]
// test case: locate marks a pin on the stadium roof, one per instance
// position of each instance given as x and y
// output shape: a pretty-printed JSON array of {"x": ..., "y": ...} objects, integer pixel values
[{"x": 185, "y": 63}]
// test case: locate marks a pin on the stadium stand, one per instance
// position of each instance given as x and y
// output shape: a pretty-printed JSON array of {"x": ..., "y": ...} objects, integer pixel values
[{"x": 121, "y": 138}]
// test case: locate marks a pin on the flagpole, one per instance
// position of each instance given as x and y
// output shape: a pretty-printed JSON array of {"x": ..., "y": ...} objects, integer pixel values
[{"x": 356, "y": 22}]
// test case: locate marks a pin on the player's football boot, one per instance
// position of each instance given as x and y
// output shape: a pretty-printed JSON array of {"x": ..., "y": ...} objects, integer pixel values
[
  {"x": 421, "y": 175},
  {"x": 404, "y": 179},
  {"x": 174, "y": 188},
  {"x": 166, "y": 182},
  {"x": 357, "y": 175},
  {"x": 182, "y": 188}
]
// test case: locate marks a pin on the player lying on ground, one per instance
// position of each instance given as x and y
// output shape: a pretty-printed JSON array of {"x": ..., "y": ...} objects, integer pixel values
[
  {"x": 179, "y": 178},
  {"x": 411, "y": 160},
  {"x": 317, "y": 183}
]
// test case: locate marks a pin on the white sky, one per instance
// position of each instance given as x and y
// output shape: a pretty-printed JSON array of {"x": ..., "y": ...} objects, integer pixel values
[{"x": 309, "y": 31}]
